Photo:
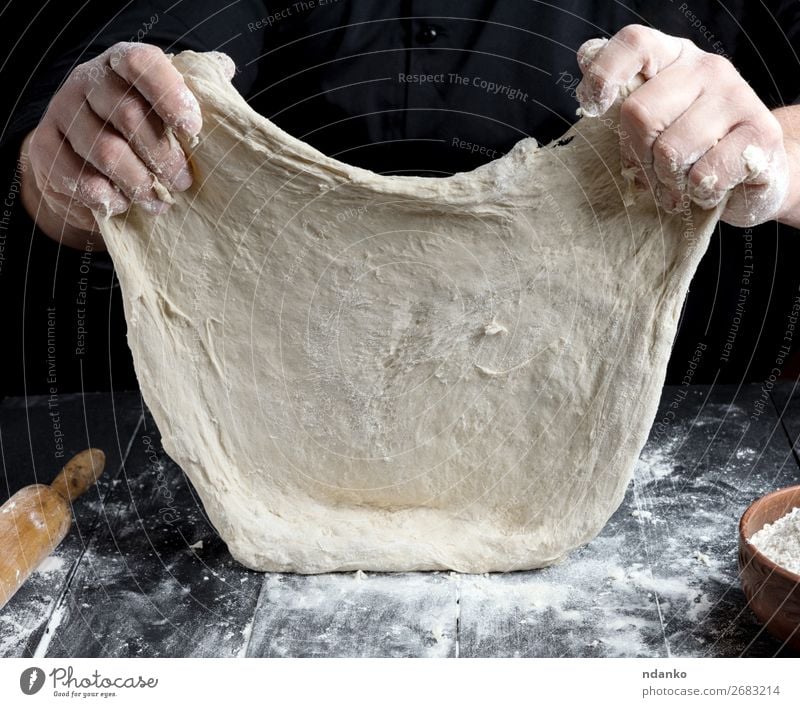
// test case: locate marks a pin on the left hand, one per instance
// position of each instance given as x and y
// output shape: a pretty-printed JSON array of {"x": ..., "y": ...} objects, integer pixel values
[{"x": 694, "y": 129}]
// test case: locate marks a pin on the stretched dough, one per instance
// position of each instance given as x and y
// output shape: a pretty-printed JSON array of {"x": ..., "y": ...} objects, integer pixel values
[{"x": 375, "y": 372}]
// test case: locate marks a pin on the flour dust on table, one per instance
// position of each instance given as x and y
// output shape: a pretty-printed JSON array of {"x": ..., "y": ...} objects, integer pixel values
[{"x": 360, "y": 371}]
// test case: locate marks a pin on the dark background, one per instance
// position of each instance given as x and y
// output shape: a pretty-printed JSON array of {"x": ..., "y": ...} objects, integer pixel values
[{"x": 36, "y": 274}]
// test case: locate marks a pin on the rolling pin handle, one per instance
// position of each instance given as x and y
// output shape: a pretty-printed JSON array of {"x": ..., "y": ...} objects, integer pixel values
[
  {"x": 79, "y": 473},
  {"x": 37, "y": 518}
]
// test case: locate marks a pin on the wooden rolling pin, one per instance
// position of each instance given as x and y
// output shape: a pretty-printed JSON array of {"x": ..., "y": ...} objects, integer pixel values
[{"x": 37, "y": 518}]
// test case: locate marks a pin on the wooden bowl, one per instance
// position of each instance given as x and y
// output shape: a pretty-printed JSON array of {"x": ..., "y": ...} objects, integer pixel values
[{"x": 772, "y": 591}]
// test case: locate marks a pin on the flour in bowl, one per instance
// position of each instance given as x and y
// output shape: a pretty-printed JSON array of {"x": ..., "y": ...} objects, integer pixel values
[{"x": 780, "y": 541}]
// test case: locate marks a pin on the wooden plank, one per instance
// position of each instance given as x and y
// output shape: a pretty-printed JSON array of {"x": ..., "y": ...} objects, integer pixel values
[
  {"x": 661, "y": 579},
  {"x": 356, "y": 615},
  {"x": 155, "y": 580},
  {"x": 37, "y": 436}
]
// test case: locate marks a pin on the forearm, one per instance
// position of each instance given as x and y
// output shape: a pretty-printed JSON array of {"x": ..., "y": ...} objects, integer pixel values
[{"x": 789, "y": 118}]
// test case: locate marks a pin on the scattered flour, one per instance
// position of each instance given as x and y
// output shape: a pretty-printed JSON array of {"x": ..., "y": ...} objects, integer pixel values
[
  {"x": 654, "y": 464},
  {"x": 780, "y": 541},
  {"x": 15, "y": 630},
  {"x": 52, "y": 626},
  {"x": 53, "y": 563},
  {"x": 362, "y": 615}
]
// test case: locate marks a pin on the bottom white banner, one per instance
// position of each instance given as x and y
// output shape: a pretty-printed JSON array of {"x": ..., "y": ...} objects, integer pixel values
[{"x": 399, "y": 682}]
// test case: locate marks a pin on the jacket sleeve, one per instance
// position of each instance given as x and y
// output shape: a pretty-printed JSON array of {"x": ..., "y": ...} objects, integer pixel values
[{"x": 768, "y": 50}]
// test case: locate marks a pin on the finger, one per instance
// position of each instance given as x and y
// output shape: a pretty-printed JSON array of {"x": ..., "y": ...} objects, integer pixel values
[
  {"x": 149, "y": 70},
  {"x": 646, "y": 114},
  {"x": 749, "y": 159},
  {"x": 70, "y": 211},
  {"x": 687, "y": 139},
  {"x": 652, "y": 108},
  {"x": 123, "y": 107},
  {"x": 699, "y": 129},
  {"x": 746, "y": 153},
  {"x": 69, "y": 175},
  {"x": 633, "y": 50},
  {"x": 109, "y": 153}
]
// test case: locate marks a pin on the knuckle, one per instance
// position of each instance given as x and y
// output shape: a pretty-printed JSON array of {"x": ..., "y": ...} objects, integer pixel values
[
  {"x": 116, "y": 54},
  {"x": 129, "y": 116},
  {"x": 91, "y": 189},
  {"x": 96, "y": 192},
  {"x": 702, "y": 181},
  {"x": 121, "y": 48},
  {"x": 139, "y": 58},
  {"x": 93, "y": 183},
  {"x": 39, "y": 140},
  {"x": 739, "y": 95},
  {"x": 633, "y": 35},
  {"x": 85, "y": 74},
  {"x": 59, "y": 104},
  {"x": 588, "y": 52},
  {"x": 106, "y": 154},
  {"x": 696, "y": 176},
  {"x": 715, "y": 64},
  {"x": 636, "y": 114},
  {"x": 77, "y": 79},
  {"x": 666, "y": 156}
]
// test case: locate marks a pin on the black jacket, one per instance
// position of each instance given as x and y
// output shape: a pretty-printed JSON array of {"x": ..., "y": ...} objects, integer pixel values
[{"x": 397, "y": 86}]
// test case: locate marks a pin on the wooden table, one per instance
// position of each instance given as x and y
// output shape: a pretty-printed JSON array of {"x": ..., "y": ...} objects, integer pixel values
[{"x": 144, "y": 574}]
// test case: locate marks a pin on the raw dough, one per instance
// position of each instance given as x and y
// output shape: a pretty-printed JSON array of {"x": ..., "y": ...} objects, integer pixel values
[{"x": 395, "y": 373}]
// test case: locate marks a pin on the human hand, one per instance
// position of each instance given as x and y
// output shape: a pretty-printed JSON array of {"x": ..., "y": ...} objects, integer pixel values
[
  {"x": 103, "y": 143},
  {"x": 693, "y": 130}
]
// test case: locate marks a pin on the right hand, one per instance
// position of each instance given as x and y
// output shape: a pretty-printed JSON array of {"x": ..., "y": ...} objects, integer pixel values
[{"x": 102, "y": 142}]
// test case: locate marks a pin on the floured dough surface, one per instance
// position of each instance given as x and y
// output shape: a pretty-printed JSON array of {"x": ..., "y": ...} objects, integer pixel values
[{"x": 394, "y": 373}]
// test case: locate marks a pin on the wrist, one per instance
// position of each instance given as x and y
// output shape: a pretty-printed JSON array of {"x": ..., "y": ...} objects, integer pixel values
[{"x": 789, "y": 211}]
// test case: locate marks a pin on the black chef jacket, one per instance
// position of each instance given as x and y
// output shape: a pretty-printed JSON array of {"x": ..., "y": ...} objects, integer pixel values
[{"x": 396, "y": 86}]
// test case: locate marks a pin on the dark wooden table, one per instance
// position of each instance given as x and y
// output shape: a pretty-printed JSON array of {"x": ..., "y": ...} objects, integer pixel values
[{"x": 144, "y": 574}]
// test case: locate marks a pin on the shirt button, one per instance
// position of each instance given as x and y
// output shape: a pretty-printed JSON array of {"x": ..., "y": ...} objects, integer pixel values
[{"x": 427, "y": 34}]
